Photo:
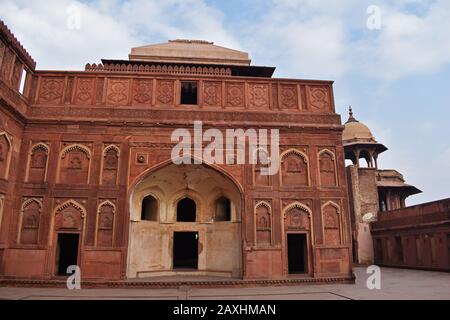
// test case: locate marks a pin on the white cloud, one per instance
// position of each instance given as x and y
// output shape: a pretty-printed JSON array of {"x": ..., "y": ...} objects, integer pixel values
[
  {"x": 300, "y": 39},
  {"x": 43, "y": 31},
  {"x": 408, "y": 43},
  {"x": 108, "y": 28},
  {"x": 320, "y": 38},
  {"x": 304, "y": 38}
]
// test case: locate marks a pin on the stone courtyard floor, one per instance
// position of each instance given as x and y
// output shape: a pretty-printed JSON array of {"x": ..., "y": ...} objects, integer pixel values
[{"x": 395, "y": 284}]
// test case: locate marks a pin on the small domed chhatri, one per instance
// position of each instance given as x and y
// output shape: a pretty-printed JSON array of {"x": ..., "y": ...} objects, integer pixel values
[
  {"x": 356, "y": 131},
  {"x": 360, "y": 143},
  {"x": 372, "y": 190}
]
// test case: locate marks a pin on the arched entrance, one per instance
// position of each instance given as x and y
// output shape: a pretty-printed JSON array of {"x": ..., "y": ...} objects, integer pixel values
[{"x": 185, "y": 233}]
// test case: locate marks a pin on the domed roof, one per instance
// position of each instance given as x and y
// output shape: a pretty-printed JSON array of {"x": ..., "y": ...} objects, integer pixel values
[{"x": 355, "y": 131}]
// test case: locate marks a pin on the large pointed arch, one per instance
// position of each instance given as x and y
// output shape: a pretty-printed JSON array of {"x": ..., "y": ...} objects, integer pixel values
[{"x": 202, "y": 183}]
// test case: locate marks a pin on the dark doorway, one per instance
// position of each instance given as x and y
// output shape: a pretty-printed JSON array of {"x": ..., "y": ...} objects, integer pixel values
[
  {"x": 297, "y": 253},
  {"x": 66, "y": 252},
  {"x": 185, "y": 250},
  {"x": 186, "y": 210},
  {"x": 188, "y": 92}
]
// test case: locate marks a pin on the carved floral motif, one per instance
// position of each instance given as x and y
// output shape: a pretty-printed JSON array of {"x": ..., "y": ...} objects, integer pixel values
[
  {"x": 319, "y": 98},
  {"x": 165, "y": 90},
  {"x": 142, "y": 92},
  {"x": 85, "y": 91},
  {"x": 212, "y": 93},
  {"x": 289, "y": 99},
  {"x": 259, "y": 95},
  {"x": 117, "y": 92},
  {"x": 51, "y": 90},
  {"x": 235, "y": 95}
]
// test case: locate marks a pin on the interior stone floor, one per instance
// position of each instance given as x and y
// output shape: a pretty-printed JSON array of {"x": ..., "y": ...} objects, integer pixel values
[{"x": 395, "y": 284}]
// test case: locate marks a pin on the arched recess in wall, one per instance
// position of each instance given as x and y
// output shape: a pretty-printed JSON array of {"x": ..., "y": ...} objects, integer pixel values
[
  {"x": 332, "y": 223},
  {"x": 327, "y": 168},
  {"x": 295, "y": 168},
  {"x": 105, "y": 224},
  {"x": 263, "y": 223},
  {"x": 219, "y": 244},
  {"x": 70, "y": 216},
  {"x": 37, "y": 163},
  {"x": 186, "y": 210},
  {"x": 29, "y": 221},
  {"x": 5, "y": 154},
  {"x": 110, "y": 165},
  {"x": 222, "y": 209},
  {"x": 298, "y": 216},
  {"x": 150, "y": 208},
  {"x": 74, "y": 165},
  {"x": 261, "y": 158}
]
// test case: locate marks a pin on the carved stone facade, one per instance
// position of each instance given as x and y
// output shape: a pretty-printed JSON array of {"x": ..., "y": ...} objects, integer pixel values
[{"x": 85, "y": 167}]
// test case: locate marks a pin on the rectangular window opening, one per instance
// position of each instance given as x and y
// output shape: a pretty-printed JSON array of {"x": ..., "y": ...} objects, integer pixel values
[
  {"x": 23, "y": 78},
  {"x": 189, "y": 94}
]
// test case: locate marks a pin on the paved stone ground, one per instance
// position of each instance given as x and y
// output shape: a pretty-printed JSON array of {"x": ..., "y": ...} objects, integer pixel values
[{"x": 395, "y": 284}]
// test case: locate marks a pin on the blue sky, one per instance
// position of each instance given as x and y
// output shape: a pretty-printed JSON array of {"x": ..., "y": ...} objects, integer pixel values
[{"x": 396, "y": 77}]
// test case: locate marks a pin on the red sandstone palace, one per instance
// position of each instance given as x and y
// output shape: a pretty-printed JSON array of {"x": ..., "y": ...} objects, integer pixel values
[{"x": 86, "y": 176}]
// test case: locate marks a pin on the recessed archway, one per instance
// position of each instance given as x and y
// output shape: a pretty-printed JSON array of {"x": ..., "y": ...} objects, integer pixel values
[{"x": 187, "y": 198}]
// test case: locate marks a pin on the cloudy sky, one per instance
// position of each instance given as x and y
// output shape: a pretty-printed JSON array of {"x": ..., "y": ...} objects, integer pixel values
[{"x": 390, "y": 59}]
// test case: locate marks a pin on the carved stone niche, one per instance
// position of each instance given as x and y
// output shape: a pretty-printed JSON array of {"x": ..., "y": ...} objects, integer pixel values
[
  {"x": 69, "y": 216},
  {"x": 30, "y": 221},
  {"x": 260, "y": 179},
  {"x": 105, "y": 224},
  {"x": 297, "y": 217},
  {"x": 74, "y": 165},
  {"x": 331, "y": 223},
  {"x": 327, "y": 168},
  {"x": 37, "y": 166},
  {"x": 5, "y": 150},
  {"x": 110, "y": 165},
  {"x": 263, "y": 223},
  {"x": 294, "y": 169}
]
